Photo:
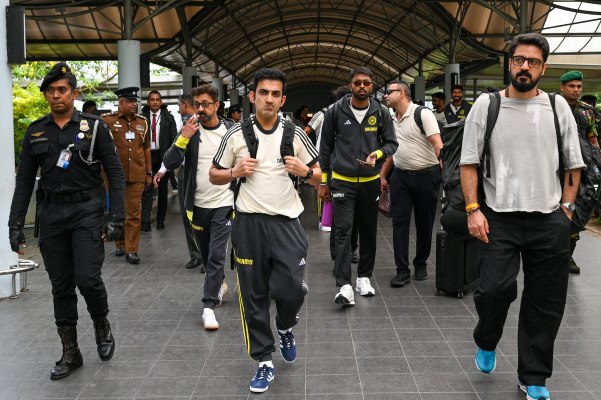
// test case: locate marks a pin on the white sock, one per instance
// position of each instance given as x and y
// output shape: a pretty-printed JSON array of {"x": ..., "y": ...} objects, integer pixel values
[
  {"x": 268, "y": 363},
  {"x": 284, "y": 332},
  {"x": 208, "y": 311}
]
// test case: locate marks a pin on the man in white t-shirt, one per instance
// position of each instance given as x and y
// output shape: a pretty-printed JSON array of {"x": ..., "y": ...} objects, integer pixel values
[
  {"x": 208, "y": 206},
  {"x": 270, "y": 245},
  {"x": 414, "y": 182},
  {"x": 526, "y": 214}
]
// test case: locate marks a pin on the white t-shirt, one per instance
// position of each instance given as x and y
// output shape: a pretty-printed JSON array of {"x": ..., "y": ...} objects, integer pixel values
[
  {"x": 268, "y": 190},
  {"x": 316, "y": 123},
  {"x": 415, "y": 151},
  {"x": 208, "y": 195},
  {"x": 524, "y": 161}
]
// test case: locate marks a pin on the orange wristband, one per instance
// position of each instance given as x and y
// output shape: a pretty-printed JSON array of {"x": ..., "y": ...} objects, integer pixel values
[{"x": 468, "y": 207}]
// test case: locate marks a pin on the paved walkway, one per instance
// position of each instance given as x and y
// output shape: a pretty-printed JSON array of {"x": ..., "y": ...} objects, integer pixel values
[{"x": 404, "y": 343}]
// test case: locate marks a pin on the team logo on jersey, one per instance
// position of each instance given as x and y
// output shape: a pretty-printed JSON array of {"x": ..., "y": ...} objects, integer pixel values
[
  {"x": 348, "y": 122},
  {"x": 337, "y": 194},
  {"x": 38, "y": 134},
  {"x": 84, "y": 126},
  {"x": 302, "y": 262},
  {"x": 244, "y": 261},
  {"x": 372, "y": 120},
  {"x": 461, "y": 112}
]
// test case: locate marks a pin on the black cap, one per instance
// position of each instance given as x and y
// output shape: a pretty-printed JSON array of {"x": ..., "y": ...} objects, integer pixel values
[
  {"x": 59, "y": 71},
  {"x": 235, "y": 108},
  {"x": 128, "y": 92}
]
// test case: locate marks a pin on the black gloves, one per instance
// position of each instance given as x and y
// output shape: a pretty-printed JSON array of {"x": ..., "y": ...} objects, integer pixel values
[
  {"x": 16, "y": 238},
  {"x": 113, "y": 230}
]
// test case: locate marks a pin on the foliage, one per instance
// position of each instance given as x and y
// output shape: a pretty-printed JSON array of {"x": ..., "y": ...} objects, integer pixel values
[{"x": 29, "y": 104}]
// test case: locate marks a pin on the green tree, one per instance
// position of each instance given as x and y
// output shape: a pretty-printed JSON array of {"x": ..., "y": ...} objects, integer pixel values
[{"x": 28, "y": 105}]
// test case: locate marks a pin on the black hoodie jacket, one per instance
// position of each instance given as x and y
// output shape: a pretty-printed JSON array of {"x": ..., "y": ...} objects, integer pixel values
[{"x": 344, "y": 140}]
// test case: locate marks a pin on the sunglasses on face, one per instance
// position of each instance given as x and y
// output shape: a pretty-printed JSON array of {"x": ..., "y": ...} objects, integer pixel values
[
  {"x": 388, "y": 92},
  {"x": 359, "y": 83},
  {"x": 204, "y": 104}
]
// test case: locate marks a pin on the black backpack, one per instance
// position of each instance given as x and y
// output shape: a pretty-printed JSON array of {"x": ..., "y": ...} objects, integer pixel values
[{"x": 590, "y": 183}]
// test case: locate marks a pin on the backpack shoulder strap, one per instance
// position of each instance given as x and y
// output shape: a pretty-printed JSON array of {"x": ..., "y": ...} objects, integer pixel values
[
  {"x": 559, "y": 141},
  {"x": 287, "y": 146},
  {"x": 491, "y": 119},
  {"x": 417, "y": 116},
  {"x": 250, "y": 137}
]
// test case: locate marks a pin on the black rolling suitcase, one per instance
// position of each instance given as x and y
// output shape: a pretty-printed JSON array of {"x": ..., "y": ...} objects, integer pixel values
[{"x": 457, "y": 263}]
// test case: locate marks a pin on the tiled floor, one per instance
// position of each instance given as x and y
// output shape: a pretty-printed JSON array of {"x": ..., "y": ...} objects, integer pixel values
[{"x": 404, "y": 343}]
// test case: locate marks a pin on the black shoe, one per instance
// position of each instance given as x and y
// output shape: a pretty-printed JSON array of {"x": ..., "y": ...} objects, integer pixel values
[
  {"x": 160, "y": 225},
  {"x": 132, "y": 258},
  {"x": 104, "y": 339},
  {"x": 421, "y": 274},
  {"x": 354, "y": 257},
  {"x": 119, "y": 252},
  {"x": 574, "y": 268},
  {"x": 193, "y": 263},
  {"x": 71, "y": 359},
  {"x": 146, "y": 228},
  {"x": 400, "y": 280},
  {"x": 203, "y": 269}
]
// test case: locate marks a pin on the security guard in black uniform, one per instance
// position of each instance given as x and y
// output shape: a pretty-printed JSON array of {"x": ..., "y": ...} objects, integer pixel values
[{"x": 70, "y": 148}]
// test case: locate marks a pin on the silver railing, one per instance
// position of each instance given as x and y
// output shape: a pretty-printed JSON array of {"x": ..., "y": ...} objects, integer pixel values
[{"x": 22, "y": 268}]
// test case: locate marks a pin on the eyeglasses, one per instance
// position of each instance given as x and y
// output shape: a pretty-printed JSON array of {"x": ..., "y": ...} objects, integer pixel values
[
  {"x": 388, "y": 92},
  {"x": 359, "y": 82},
  {"x": 204, "y": 104},
  {"x": 532, "y": 62}
]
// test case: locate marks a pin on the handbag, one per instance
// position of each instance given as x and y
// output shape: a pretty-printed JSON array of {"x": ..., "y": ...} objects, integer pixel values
[
  {"x": 327, "y": 213},
  {"x": 384, "y": 203}
]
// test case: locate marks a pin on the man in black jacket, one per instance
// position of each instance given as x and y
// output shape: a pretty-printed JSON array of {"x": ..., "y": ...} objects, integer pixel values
[
  {"x": 458, "y": 108},
  {"x": 356, "y": 137},
  {"x": 163, "y": 131}
]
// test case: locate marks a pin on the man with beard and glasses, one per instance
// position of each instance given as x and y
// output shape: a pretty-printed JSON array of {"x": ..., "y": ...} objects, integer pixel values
[
  {"x": 208, "y": 206},
  {"x": 356, "y": 137},
  {"x": 526, "y": 213},
  {"x": 458, "y": 108}
]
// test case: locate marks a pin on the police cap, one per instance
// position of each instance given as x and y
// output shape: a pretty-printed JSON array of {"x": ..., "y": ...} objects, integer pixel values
[
  {"x": 571, "y": 76},
  {"x": 59, "y": 71},
  {"x": 235, "y": 108},
  {"x": 128, "y": 92}
]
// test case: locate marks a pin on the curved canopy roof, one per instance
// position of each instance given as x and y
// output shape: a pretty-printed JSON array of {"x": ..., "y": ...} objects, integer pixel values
[{"x": 313, "y": 41}]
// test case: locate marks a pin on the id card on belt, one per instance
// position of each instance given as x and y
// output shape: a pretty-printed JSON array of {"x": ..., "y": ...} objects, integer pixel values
[{"x": 130, "y": 135}]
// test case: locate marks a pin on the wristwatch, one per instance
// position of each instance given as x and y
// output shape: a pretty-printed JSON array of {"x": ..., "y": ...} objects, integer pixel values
[
  {"x": 309, "y": 174},
  {"x": 571, "y": 207}
]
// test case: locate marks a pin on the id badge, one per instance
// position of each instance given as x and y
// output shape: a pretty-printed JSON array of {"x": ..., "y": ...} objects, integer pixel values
[
  {"x": 130, "y": 135},
  {"x": 64, "y": 159}
]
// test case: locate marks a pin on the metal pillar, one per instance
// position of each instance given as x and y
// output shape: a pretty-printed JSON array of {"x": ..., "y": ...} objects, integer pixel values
[
  {"x": 129, "y": 63},
  {"x": 420, "y": 88},
  {"x": 188, "y": 78},
  {"x": 523, "y": 16},
  {"x": 234, "y": 96},
  {"x": 7, "y": 156},
  {"x": 218, "y": 83},
  {"x": 451, "y": 77}
]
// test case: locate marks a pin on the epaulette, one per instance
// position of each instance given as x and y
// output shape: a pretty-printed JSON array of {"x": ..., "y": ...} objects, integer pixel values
[
  {"x": 141, "y": 116},
  {"x": 107, "y": 114}
]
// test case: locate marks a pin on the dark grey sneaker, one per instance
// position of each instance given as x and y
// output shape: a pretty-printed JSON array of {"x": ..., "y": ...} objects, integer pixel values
[
  {"x": 574, "y": 268},
  {"x": 400, "y": 280},
  {"x": 421, "y": 274}
]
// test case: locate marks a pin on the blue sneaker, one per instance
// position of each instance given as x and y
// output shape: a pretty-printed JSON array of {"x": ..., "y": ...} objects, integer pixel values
[
  {"x": 260, "y": 382},
  {"x": 535, "y": 392},
  {"x": 287, "y": 346},
  {"x": 486, "y": 361}
]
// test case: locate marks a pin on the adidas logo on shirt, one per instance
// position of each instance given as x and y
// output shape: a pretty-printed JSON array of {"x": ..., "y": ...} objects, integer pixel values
[
  {"x": 302, "y": 262},
  {"x": 348, "y": 122},
  {"x": 229, "y": 223}
]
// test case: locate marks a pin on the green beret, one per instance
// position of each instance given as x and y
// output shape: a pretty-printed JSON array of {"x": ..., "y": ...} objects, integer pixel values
[{"x": 571, "y": 76}]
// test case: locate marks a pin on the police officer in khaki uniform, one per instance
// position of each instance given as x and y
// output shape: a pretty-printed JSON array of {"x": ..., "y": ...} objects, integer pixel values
[{"x": 130, "y": 131}]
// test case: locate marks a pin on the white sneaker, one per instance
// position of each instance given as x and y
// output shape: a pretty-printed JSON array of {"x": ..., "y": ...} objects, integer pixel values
[
  {"x": 324, "y": 228},
  {"x": 346, "y": 297},
  {"x": 364, "y": 287},
  {"x": 222, "y": 292},
  {"x": 209, "y": 321}
]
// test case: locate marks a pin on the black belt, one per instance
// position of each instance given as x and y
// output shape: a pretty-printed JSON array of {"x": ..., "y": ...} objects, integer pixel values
[
  {"x": 418, "y": 171},
  {"x": 74, "y": 197}
]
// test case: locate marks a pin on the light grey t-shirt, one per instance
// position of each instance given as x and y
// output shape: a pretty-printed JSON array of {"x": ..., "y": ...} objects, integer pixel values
[{"x": 523, "y": 151}]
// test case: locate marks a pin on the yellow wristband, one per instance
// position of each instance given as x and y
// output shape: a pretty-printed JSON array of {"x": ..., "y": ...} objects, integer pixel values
[
  {"x": 324, "y": 177},
  {"x": 471, "y": 205}
]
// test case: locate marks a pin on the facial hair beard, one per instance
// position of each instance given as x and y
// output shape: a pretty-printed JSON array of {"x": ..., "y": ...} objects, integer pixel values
[{"x": 523, "y": 87}]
